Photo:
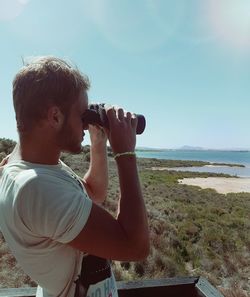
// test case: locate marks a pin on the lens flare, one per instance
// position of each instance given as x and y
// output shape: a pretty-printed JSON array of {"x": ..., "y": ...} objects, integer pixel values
[
  {"x": 187, "y": 18},
  {"x": 24, "y": 1},
  {"x": 10, "y": 9},
  {"x": 230, "y": 20}
]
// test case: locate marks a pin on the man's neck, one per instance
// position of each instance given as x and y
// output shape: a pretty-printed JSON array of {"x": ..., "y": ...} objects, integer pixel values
[{"x": 40, "y": 152}]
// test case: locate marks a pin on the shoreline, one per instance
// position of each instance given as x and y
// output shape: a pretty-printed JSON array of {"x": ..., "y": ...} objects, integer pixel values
[
  {"x": 224, "y": 165},
  {"x": 217, "y": 165},
  {"x": 226, "y": 171},
  {"x": 222, "y": 185}
]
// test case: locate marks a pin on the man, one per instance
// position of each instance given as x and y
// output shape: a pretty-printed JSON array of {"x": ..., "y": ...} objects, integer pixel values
[{"x": 49, "y": 217}]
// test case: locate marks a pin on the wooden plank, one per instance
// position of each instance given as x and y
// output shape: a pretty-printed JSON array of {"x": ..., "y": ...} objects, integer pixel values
[
  {"x": 205, "y": 289},
  {"x": 171, "y": 291},
  {"x": 157, "y": 282},
  {"x": 18, "y": 292},
  {"x": 174, "y": 287}
]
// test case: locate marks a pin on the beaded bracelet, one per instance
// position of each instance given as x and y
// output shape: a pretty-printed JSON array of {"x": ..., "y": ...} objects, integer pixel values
[{"x": 124, "y": 154}]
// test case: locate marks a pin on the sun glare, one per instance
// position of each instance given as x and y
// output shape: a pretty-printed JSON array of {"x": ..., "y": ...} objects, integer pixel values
[
  {"x": 231, "y": 21},
  {"x": 10, "y": 9}
]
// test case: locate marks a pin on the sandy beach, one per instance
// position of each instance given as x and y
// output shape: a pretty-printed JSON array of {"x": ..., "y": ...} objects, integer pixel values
[{"x": 222, "y": 185}]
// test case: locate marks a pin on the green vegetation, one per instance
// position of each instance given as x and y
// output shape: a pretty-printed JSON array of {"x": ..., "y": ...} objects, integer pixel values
[
  {"x": 184, "y": 163},
  {"x": 193, "y": 231},
  {"x": 6, "y": 147},
  {"x": 226, "y": 164}
]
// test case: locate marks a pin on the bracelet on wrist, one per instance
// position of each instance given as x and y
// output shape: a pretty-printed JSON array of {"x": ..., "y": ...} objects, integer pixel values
[{"x": 124, "y": 154}]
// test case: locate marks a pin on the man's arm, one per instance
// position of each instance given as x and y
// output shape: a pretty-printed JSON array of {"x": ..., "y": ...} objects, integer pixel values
[
  {"x": 96, "y": 178},
  {"x": 125, "y": 237}
]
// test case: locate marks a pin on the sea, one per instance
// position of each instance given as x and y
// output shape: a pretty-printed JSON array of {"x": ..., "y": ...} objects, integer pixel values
[{"x": 212, "y": 156}]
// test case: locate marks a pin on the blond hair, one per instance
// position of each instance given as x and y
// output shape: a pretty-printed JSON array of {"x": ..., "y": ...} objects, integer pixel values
[{"x": 44, "y": 82}]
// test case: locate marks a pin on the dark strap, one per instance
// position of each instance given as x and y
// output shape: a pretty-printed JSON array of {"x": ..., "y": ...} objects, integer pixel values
[{"x": 94, "y": 269}]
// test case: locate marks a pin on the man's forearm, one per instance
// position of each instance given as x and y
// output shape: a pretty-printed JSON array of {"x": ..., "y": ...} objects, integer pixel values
[
  {"x": 96, "y": 178},
  {"x": 132, "y": 213}
]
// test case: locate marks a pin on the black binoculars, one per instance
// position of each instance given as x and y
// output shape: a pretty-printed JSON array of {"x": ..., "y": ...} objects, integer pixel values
[{"x": 96, "y": 115}]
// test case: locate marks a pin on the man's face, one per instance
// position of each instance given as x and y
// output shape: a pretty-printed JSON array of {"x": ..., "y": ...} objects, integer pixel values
[{"x": 72, "y": 132}]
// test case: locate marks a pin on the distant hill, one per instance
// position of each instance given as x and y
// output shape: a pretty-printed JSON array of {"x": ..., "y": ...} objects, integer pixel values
[
  {"x": 151, "y": 149},
  {"x": 183, "y": 148},
  {"x": 190, "y": 148}
]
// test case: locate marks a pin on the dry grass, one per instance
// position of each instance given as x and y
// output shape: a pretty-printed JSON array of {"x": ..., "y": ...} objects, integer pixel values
[
  {"x": 234, "y": 291},
  {"x": 11, "y": 274}
]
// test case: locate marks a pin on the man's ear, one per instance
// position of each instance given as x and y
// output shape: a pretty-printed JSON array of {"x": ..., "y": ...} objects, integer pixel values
[{"x": 55, "y": 117}]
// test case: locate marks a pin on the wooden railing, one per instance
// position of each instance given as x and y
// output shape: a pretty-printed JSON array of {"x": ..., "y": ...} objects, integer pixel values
[{"x": 172, "y": 287}]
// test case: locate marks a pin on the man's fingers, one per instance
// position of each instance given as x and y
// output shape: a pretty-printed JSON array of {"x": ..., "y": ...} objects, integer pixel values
[
  {"x": 134, "y": 121},
  {"x": 128, "y": 116},
  {"x": 111, "y": 113},
  {"x": 120, "y": 114}
]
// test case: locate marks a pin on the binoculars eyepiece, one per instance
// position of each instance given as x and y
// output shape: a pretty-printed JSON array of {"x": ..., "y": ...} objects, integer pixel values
[{"x": 96, "y": 115}]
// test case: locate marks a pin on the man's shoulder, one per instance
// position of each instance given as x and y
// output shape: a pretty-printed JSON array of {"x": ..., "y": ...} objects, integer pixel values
[
  {"x": 24, "y": 175},
  {"x": 15, "y": 172},
  {"x": 23, "y": 172}
]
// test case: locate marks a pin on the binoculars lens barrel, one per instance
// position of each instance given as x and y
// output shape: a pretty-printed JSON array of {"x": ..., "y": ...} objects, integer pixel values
[{"x": 96, "y": 115}]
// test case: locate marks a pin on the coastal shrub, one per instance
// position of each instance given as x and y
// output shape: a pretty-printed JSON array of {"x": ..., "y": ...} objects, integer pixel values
[
  {"x": 87, "y": 157},
  {"x": 86, "y": 149},
  {"x": 234, "y": 291},
  {"x": 2, "y": 156},
  {"x": 6, "y": 145},
  {"x": 139, "y": 268}
]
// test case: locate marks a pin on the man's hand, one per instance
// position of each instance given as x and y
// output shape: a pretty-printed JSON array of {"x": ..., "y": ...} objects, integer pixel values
[
  {"x": 122, "y": 130},
  {"x": 98, "y": 136}
]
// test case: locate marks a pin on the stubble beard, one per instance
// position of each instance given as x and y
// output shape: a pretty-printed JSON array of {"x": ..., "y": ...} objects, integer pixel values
[{"x": 68, "y": 140}]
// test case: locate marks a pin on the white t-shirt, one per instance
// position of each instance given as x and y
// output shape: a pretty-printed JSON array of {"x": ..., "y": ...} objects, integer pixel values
[{"x": 42, "y": 208}]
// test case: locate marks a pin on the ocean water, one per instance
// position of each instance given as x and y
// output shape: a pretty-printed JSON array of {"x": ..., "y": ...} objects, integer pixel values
[{"x": 213, "y": 156}]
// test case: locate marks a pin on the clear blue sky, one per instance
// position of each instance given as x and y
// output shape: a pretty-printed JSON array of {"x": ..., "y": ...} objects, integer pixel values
[{"x": 185, "y": 65}]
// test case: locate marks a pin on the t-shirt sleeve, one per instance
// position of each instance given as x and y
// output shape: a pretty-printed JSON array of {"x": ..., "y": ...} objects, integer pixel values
[{"x": 52, "y": 209}]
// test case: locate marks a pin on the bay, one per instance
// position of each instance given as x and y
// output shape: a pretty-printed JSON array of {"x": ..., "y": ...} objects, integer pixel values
[{"x": 212, "y": 156}]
